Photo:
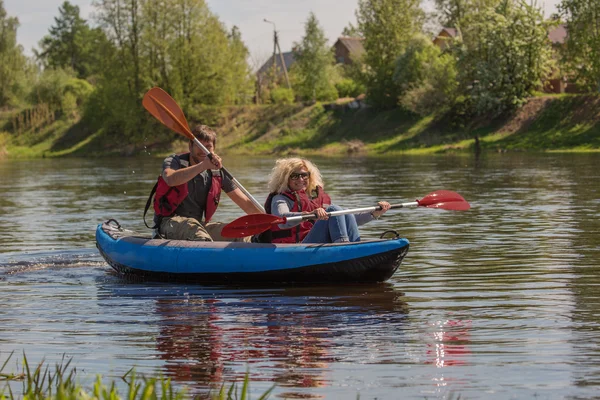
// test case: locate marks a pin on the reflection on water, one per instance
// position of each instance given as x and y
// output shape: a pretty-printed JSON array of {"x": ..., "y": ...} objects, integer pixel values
[
  {"x": 497, "y": 302},
  {"x": 289, "y": 336}
]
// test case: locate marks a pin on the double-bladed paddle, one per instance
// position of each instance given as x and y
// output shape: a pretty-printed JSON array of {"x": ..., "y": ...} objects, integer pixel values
[
  {"x": 252, "y": 224},
  {"x": 164, "y": 108}
]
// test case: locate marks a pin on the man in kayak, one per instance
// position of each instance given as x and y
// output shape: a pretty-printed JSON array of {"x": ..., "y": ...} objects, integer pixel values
[
  {"x": 296, "y": 188},
  {"x": 188, "y": 193}
]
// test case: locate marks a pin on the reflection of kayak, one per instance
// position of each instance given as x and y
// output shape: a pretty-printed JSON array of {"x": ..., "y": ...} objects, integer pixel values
[{"x": 225, "y": 262}]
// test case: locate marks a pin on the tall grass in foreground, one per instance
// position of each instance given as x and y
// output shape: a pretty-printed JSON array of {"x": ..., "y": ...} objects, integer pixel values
[{"x": 42, "y": 383}]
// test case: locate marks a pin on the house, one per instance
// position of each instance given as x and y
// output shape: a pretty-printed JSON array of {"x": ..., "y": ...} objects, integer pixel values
[
  {"x": 442, "y": 40},
  {"x": 266, "y": 71},
  {"x": 557, "y": 36},
  {"x": 347, "y": 49}
]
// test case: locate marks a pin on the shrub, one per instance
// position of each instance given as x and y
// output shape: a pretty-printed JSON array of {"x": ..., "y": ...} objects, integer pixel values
[{"x": 282, "y": 96}]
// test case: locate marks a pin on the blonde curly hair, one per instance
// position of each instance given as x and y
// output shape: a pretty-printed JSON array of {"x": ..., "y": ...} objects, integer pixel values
[{"x": 278, "y": 179}]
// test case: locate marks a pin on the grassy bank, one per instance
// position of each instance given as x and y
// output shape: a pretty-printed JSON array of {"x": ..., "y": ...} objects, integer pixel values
[{"x": 549, "y": 123}]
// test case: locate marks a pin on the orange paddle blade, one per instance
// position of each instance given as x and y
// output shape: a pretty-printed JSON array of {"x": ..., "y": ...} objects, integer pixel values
[
  {"x": 444, "y": 199},
  {"x": 250, "y": 224},
  {"x": 165, "y": 109}
]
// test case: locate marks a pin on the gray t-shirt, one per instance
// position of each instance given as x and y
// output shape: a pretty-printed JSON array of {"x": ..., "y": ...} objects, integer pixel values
[{"x": 194, "y": 204}]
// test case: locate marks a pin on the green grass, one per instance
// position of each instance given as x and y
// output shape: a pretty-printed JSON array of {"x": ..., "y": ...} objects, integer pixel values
[
  {"x": 60, "y": 383},
  {"x": 547, "y": 123}
]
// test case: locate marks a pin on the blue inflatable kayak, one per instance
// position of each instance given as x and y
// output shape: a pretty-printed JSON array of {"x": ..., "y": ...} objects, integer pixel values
[{"x": 225, "y": 262}]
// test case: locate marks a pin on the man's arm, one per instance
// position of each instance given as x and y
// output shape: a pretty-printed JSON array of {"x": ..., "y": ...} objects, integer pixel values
[
  {"x": 243, "y": 202},
  {"x": 176, "y": 177}
]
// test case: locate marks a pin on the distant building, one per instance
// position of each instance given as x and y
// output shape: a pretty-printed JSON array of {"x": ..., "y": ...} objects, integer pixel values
[
  {"x": 557, "y": 36},
  {"x": 267, "y": 69},
  {"x": 443, "y": 39},
  {"x": 348, "y": 49}
]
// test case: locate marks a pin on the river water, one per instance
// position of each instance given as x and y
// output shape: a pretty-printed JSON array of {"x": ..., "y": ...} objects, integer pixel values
[{"x": 501, "y": 301}]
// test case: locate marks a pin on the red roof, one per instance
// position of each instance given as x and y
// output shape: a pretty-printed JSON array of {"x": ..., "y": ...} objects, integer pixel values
[{"x": 558, "y": 34}]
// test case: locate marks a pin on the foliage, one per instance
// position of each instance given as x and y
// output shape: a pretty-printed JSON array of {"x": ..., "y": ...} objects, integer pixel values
[
  {"x": 349, "y": 88},
  {"x": 582, "y": 55},
  {"x": 177, "y": 45},
  {"x": 457, "y": 13},
  {"x": 71, "y": 43},
  {"x": 314, "y": 59},
  {"x": 427, "y": 78},
  {"x": 503, "y": 55},
  {"x": 14, "y": 67},
  {"x": 387, "y": 26},
  {"x": 60, "y": 90},
  {"x": 282, "y": 96},
  {"x": 61, "y": 383},
  {"x": 351, "y": 31}
]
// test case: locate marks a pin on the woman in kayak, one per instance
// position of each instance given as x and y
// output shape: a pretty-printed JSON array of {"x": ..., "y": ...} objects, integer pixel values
[{"x": 296, "y": 188}]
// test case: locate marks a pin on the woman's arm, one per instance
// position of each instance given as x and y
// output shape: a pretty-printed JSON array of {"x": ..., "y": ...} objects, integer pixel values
[{"x": 280, "y": 207}]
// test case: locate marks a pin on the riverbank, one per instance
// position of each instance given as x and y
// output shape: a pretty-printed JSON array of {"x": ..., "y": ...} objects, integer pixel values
[{"x": 547, "y": 123}]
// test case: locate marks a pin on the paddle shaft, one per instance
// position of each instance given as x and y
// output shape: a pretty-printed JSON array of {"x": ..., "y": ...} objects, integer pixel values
[
  {"x": 228, "y": 174},
  {"x": 186, "y": 130},
  {"x": 348, "y": 211}
]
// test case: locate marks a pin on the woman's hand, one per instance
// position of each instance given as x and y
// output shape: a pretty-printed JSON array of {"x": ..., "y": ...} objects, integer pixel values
[
  {"x": 320, "y": 213},
  {"x": 384, "y": 207}
]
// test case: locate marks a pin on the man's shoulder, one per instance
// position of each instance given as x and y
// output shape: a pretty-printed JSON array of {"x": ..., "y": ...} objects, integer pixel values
[{"x": 176, "y": 160}]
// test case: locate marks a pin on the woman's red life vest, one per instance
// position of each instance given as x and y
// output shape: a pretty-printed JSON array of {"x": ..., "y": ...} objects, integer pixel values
[{"x": 302, "y": 202}]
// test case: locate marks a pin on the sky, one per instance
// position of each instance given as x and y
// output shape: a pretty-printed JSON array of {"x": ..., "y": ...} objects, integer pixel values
[{"x": 289, "y": 16}]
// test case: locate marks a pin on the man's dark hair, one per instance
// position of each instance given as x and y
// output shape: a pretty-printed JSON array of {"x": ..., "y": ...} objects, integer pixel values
[{"x": 205, "y": 134}]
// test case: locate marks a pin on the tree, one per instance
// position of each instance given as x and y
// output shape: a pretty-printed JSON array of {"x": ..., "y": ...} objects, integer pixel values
[
  {"x": 503, "y": 55},
  {"x": 313, "y": 59},
  {"x": 239, "y": 83},
  {"x": 387, "y": 26},
  {"x": 427, "y": 77},
  {"x": 351, "y": 31},
  {"x": 13, "y": 64},
  {"x": 456, "y": 13},
  {"x": 71, "y": 43},
  {"x": 582, "y": 55}
]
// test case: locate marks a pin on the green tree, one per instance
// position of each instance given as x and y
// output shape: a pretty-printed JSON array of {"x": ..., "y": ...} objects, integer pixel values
[
  {"x": 387, "y": 26},
  {"x": 239, "y": 83},
  {"x": 351, "y": 31},
  {"x": 456, "y": 13},
  {"x": 13, "y": 64},
  {"x": 582, "y": 55},
  {"x": 427, "y": 77},
  {"x": 71, "y": 43},
  {"x": 503, "y": 55},
  {"x": 313, "y": 61}
]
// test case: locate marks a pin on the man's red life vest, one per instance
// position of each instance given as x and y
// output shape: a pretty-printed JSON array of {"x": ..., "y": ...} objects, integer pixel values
[
  {"x": 302, "y": 202},
  {"x": 168, "y": 198},
  {"x": 214, "y": 194}
]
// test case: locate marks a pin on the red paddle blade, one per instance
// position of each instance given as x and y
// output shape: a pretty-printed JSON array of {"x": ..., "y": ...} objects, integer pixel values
[
  {"x": 445, "y": 199},
  {"x": 165, "y": 109},
  {"x": 250, "y": 224}
]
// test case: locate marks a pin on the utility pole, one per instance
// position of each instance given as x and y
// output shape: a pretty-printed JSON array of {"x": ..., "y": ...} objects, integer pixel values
[{"x": 276, "y": 48}]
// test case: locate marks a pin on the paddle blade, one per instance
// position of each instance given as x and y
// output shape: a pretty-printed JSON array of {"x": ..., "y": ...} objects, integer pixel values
[
  {"x": 445, "y": 199},
  {"x": 165, "y": 109},
  {"x": 250, "y": 224}
]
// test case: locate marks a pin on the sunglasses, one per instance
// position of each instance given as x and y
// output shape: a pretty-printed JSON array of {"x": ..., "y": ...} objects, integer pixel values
[{"x": 295, "y": 176}]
